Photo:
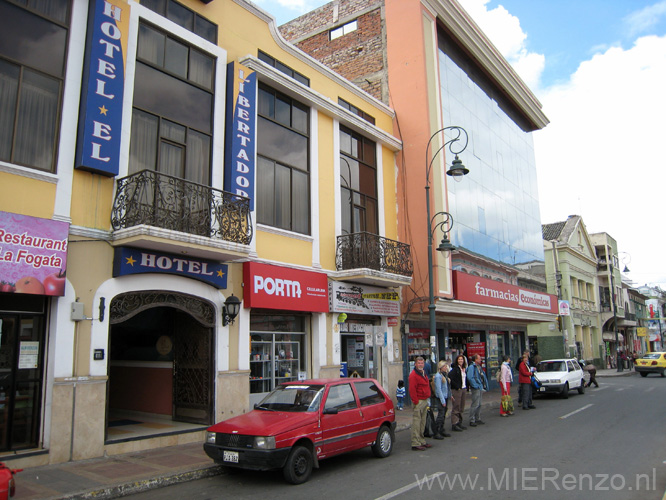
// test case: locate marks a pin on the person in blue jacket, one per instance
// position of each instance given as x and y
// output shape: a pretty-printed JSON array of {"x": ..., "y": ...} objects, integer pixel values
[
  {"x": 478, "y": 383},
  {"x": 442, "y": 393}
]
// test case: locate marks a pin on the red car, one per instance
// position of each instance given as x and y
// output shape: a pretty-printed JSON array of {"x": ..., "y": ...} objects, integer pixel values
[{"x": 300, "y": 423}]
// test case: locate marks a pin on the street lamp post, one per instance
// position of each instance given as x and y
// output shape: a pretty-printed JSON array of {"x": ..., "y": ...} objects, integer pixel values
[
  {"x": 457, "y": 170},
  {"x": 618, "y": 360}
]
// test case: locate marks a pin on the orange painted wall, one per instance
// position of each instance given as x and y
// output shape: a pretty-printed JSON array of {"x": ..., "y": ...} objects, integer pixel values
[{"x": 409, "y": 98}]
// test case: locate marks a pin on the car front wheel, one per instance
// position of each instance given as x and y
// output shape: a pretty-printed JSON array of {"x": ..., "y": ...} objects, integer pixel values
[
  {"x": 298, "y": 468},
  {"x": 384, "y": 444},
  {"x": 565, "y": 391}
]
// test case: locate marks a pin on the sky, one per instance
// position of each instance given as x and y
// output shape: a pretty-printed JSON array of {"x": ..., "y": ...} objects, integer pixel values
[{"x": 598, "y": 67}]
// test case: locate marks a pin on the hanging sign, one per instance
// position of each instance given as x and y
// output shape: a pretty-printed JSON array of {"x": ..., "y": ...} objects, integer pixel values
[
  {"x": 135, "y": 261},
  {"x": 100, "y": 120},
  {"x": 241, "y": 131},
  {"x": 33, "y": 254},
  {"x": 359, "y": 299}
]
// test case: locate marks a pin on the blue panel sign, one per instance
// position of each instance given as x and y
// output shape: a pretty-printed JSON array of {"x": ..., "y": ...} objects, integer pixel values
[
  {"x": 241, "y": 131},
  {"x": 100, "y": 120},
  {"x": 137, "y": 261}
]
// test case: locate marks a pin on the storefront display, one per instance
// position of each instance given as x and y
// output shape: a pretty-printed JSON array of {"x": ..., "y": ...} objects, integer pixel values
[
  {"x": 418, "y": 343},
  {"x": 276, "y": 357}
]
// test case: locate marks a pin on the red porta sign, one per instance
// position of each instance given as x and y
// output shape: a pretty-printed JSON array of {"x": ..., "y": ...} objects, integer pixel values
[
  {"x": 486, "y": 291},
  {"x": 277, "y": 287}
]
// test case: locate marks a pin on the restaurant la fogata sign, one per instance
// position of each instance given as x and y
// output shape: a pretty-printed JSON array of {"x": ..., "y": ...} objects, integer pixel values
[
  {"x": 33, "y": 255},
  {"x": 479, "y": 290}
]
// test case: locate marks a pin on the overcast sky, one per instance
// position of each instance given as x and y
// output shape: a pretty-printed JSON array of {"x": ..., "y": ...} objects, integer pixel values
[{"x": 599, "y": 69}]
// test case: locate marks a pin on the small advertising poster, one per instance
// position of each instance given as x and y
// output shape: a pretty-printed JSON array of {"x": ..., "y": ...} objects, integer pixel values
[
  {"x": 361, "y": 299},
  {"x": 477, "y": 348},
  {"x": 28, "y": 355},
  {"x": 33, "y": 254}
]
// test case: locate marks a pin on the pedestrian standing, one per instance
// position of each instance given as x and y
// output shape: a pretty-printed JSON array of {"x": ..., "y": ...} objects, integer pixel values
[
  {"x": 442, "y": 392},
  {"x": 506, "y": 377},
  {"x": 518, "y": 363},
  {"x": 525, "y": 380},
  {"x": 478, "y": 384},
  {"x": 419, "y": 393},
  {"x": 400, "y": 395},
  {"x": 458, "y": 378}
]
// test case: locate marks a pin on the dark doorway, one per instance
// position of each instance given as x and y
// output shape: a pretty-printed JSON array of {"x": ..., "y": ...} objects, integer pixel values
[
  {"x": 161, "y": 359},
  {"x": 22, "y": 349}
]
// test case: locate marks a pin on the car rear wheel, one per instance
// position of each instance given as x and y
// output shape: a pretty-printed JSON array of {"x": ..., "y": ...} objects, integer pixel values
[
  {"x": 581, "y": 387},
  {"x": 565, "y": 391},
  {"x": 643, "y": 374},
  {"x": 662, "y": 373},
  {"x": 384, "y": 444},
  {"x": 298, "y": 468}
]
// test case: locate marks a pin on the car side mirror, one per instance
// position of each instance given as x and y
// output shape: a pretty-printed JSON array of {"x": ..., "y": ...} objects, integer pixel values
[{"x": 330, "y": 411}]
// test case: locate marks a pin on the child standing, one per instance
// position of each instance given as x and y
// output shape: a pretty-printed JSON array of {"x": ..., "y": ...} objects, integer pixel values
[{"x": 400, "y": 394}]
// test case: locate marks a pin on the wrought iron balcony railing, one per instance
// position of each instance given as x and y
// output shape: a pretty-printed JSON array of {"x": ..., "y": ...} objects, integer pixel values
[
  {"x": 167, "y": 202},
  {"x": 367, "y": 250}
]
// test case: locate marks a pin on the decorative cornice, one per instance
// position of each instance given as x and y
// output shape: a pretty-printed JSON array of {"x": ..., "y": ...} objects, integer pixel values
[
  {"x": 468, "y": 34},
  {"x": 320, "y": 102},
  {"x": 309, "y": 60}
]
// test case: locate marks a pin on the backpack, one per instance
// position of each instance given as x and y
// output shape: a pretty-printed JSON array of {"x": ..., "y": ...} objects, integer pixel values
[
  {"x": 498, "y": 375},
  {"x": 433, "y": 387}
]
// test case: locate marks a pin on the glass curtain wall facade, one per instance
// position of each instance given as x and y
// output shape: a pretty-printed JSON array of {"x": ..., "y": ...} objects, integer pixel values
[{"x": 496, "y": 206}]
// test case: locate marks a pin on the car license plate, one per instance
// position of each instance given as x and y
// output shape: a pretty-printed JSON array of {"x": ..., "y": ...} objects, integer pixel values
[{"x": 230, "y": 456}]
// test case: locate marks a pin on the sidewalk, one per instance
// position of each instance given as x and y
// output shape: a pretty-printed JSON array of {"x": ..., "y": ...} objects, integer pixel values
[{"x": 119, "y": 475}]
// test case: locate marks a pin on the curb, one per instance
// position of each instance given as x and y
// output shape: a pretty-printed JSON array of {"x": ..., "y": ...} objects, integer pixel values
[
  {"x": 627, "y": 373},
  {"x": 134, "y": 487}
]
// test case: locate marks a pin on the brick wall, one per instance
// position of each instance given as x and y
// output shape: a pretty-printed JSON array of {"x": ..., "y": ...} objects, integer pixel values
[{"x": 357, "y": 56}]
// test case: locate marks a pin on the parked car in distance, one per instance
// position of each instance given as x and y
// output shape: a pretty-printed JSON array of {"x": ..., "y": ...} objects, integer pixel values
[
  {"x": 300, "y": 423},
  {"x": 559, "y": 376},
  {"x": 652, "y": 362}
]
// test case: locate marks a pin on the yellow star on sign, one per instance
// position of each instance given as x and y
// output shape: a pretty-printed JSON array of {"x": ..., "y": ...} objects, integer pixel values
[
  {"x": 130, "y": 260},
  {"x": 103, "y": 110},
  {"x": 220, "y": 273}
]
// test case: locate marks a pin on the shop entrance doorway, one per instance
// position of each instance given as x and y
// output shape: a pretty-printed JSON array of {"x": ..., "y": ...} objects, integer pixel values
[
  {"x": 160, "y": 364},
  {"x": 22, "y": 346}
]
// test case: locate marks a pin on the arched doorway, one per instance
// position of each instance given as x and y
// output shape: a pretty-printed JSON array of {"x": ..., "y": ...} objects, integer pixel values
[{"x": 160, "y": 360}]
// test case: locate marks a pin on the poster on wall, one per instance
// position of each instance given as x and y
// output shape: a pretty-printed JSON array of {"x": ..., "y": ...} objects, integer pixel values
[
  {"x": 479, "y": 348},
  {"x": 33, "y": 255}
]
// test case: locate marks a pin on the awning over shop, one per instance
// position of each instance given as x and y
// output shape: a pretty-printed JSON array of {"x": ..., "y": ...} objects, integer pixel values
[{"x": 610, "y": 336}]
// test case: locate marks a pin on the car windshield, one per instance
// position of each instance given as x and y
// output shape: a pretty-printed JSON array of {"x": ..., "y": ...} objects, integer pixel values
[
  {"x": 293, "y": 398},
  {"x": 652, "y": 355},
  {"x": 552, "y": 366}
]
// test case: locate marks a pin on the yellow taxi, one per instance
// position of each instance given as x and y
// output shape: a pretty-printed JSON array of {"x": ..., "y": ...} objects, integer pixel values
[{"x": 652, "y": 362}]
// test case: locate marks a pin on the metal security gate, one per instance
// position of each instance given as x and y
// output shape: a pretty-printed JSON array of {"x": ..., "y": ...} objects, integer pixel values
[{"x": 192, "y": 372}]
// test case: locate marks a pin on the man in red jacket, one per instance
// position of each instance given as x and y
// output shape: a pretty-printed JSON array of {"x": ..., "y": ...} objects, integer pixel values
[
  {"x": 419, "y": 392},
  {"x": 525, "y": 380}
]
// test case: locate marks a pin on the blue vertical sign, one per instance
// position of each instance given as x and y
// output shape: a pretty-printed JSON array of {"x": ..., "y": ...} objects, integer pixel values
[
  {"x": 241, "y": 131},
  {"x": 100, "y": 118}
]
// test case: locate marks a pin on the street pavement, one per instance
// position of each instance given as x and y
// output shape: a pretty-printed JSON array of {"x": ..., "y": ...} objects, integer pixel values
[{"x": 121, "y": 475}]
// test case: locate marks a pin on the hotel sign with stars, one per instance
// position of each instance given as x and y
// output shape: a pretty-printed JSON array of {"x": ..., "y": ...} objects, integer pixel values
[{"x": 136, "y": 261}]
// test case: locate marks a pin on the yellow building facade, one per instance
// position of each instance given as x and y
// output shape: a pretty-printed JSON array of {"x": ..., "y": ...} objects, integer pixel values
[{"x": 168, "y": 160}]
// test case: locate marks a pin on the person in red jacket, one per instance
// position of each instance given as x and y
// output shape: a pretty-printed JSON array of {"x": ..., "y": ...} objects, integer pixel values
[
  {"x": 419, "y": 392},
  {"x": 525, "y": 380}
]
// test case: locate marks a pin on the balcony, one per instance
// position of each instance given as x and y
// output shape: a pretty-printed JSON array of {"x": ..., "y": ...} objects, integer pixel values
[
  {"x": 166, "y": 213},
  {"x": 374, "y": 260}
]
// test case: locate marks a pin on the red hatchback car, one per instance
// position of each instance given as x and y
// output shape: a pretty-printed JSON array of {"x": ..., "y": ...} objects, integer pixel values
[{"x": 300, "y": 423}]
